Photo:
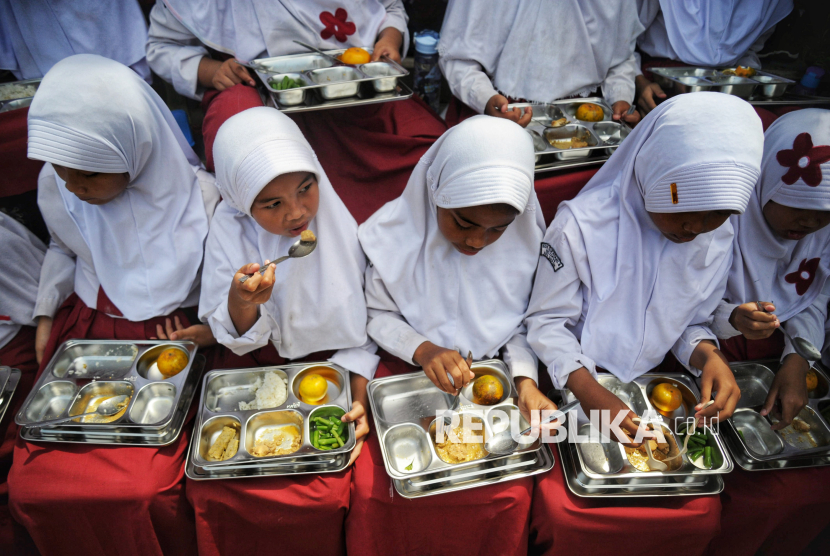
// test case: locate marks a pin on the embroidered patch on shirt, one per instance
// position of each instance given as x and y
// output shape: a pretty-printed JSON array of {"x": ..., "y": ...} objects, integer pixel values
[{"x": 549, "y": 253}]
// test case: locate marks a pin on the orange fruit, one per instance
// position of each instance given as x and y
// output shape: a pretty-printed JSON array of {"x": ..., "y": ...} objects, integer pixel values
[
  {"x": 741, "y": 71},
  {"x": 589, "y": 112},
  {"x": 355, "y": 56},
  {"x": 487, "y": 390},
  {"x": 666, "y": 397},
  {"x": 812, "y": 380},
  {"x": 313, "y": 388},
  {"x": 171, "y": 362}
]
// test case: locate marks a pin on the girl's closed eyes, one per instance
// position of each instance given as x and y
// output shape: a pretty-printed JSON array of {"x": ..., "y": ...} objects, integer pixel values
[{"x": 287, "y": 204}]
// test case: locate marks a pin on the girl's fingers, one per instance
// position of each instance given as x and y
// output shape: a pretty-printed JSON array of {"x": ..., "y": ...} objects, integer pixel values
[
  {"x": 242, "y": 73},
  {"x": 356, "y": 451},
  {"x": 441, "y": 375},
  {"x": 159, "y": 332},
  {"x": 168, "y": 326},
  {"x": 178, "y": 323},
  {"x": 770, "y": 402}
]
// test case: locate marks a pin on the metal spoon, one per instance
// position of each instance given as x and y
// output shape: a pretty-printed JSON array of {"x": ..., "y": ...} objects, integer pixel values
[
  {"x": 454, "y": 405},
  {"x": 802, "y": 347},
  {"x": 298, "y": 250},
  {"x": 654, "y": 464},
  {"x": 503, "y": 442},
  {"x": 106, "y": 408},
  {"x": 256, "y": 67}
]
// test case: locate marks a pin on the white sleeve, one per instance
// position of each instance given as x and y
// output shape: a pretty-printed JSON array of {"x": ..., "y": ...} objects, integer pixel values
[
  {"x": 721, "y": 327},
  {"x": 519, "y": 357},
  {"x": 556, "y": 305},
  {"x": 808, "y": 324},
  {"x": 223, "y": 329},
  {"x": 688, "y": 341},
  {"x": 468, "y": 82},
  {"x": 57, "y": 278},
  {"x": 619, "y": 82},
  {"x": 386, "y": 325},
  {"x": 360, "y": 360},
  {"x": 396, "y": 18},
  {"x": 174, "y": 53}
]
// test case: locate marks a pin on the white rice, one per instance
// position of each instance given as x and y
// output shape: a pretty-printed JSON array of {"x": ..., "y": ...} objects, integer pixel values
[
  {"x": 11, "y": 91},
  {"x": 272, "y": 392}
]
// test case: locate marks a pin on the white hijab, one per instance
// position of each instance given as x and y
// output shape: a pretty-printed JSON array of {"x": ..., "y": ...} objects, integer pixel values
[
  {"x": 248, "y": 28},
  {"x": 37, "y": 34},
  {"x": 22, "y": 255},
  {"x": 97, "y": 115},
  {"x": 472, "y": 303},
  {"x": 709, "y": 32},
  {"x": 318, "y": 302},
  {"x": 645, "y": 290},
  {"x": 766, "y": 266},
  {"x": 542, "y": 50}
]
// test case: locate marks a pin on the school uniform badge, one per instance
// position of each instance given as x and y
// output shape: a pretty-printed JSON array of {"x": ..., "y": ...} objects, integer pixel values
[{"x": 549, "y": 253}]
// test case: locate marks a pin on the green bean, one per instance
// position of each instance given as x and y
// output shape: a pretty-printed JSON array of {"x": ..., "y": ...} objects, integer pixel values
[
  {"x": 328, "y": 441},
  {"x": 707, "y": 457}
]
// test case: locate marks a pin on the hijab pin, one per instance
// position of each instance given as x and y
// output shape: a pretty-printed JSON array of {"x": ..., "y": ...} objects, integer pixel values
[{"x": 674, "y": 199}]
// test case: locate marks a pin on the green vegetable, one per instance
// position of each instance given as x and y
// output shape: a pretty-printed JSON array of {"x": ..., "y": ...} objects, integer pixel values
[
  {"x": 707, "y": 457},
  {"x": 328, "y": 441},
  {"x": 287, "y": 83},
  {"x": 339, "y": 440},
  {"x": 409, "y": 467},
  {"x": 741, "y": 433},
  {"x": 695, "y": 454},
  {"x": 315, "y": 438}
]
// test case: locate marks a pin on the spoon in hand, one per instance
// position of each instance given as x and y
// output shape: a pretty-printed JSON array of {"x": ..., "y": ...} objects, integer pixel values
[
  {"x": 299, "y": 249},
  {"x": 454, "y": 406},
  {"x": 802, "y": 347}
]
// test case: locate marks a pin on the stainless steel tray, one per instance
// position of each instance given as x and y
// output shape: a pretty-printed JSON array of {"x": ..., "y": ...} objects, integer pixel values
[
  {"x": 691, "y": 79},
  {"x": 328, "y": 85},
  {"x": 606, "y": 461},
  {"x": 8, "y": 384},
  {"x": 20, "y": 102},
  {"x": 125, "y": 436},
  {"x": 404, "y": 409},
  {"x": 603, "y": 137},
  {"x": 224, "y": 389},
  {"x": 83, "y": 371},
  {"x": 757, "y": 445},
  {"x": 713, "y": 484},
  {"x": 488, "y": 472}
]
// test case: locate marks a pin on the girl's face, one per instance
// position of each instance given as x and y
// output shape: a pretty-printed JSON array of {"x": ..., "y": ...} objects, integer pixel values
[
  {"x": 95, "y": 188},
  {"x": 683, "y": 227},
  {"x": 471, "y": 229},
  {"x": 793, "y": 223},
  {"x": 287, "y": 204}
]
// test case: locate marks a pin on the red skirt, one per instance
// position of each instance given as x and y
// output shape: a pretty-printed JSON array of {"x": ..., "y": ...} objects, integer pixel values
[
  {"x": 561, "y": 522},
  {"x": 485, "y": 520},
  {"x": 368, "y": 152},
  {"x": 19, "y": 354},
  {"x": 85, "y": 500},
  {"x": 286, "y": 515},
  {"x": 19, "y": 174}
]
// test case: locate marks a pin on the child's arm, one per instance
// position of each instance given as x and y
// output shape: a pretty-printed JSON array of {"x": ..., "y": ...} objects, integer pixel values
[{"x": 393, "y": 38}]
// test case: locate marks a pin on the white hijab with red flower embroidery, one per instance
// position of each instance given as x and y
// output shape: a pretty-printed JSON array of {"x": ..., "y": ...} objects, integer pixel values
[
  {"x": 248, "y": 28},
  {"x": 796, "y": 173}
]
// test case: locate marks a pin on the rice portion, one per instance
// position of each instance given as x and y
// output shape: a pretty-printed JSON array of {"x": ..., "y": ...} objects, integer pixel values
[
  {"x": 272, "y": 392},
  {"x": 12, "y": 91}
]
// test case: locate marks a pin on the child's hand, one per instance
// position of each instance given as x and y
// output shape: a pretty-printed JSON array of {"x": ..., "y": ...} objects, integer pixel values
[
  {"x": 437, "y": 362},
  {"x": 646, "y": 93},
  {"x": 257, "y": 289},
  {"x": 230, "y": 73},
  {"x": 388, "y": 44},
  {"x": 593, "y": 396},
  {"x": 789, "y": 389},
  {"x": 199, "y": 333},
  {"x": 532, "y": 399},
  {"x": 44, "y": 330},
  {"x": 358, "y": 414},
  {"x": 717, "y": 377},
  {"x": 620, "y": 109},
  {"x": 497, "y": 107},
  {"x": 754, "y": 323}
]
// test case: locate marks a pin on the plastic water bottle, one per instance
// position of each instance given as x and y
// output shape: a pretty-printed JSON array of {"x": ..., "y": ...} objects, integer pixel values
[{"x": 427, "y": 75}]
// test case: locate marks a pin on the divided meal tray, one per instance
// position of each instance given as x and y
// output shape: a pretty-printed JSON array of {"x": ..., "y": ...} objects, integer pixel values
[
  {"x": 18, "y": 101},
  {"x": 9, "y": 379},
  {"x": 694, "y": 79}
]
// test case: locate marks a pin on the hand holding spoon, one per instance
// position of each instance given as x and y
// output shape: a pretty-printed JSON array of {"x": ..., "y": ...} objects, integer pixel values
[{"x": 299, "y": 249}]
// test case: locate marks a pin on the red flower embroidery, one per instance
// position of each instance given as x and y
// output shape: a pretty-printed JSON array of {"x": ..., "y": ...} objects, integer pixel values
[
  {"x": 803, "y": 160},
  {"x": 336, "y": 25},
  {"x": 802, "y": 283}
]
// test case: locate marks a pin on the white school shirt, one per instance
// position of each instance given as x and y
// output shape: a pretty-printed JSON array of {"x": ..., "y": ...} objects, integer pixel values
[{"x": 22, "y": 255}]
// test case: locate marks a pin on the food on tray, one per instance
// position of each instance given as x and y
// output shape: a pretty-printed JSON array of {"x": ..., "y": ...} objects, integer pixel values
[
  {"x": 12, "y": 91},
  {"x": 313, "y": 388},
  {"x": 171, "y": 362},
  {"x": 487, "y": 390},
  {"x": 589, "y": 112},
  {"x": 225, "y": 446},
  {"x": 355, "y": 56},
  {"x": 639, "y": 457},
  {"x": 307, "y": 235},
  {"x": 328, "y": 432},
  {"x": 666, "y": 397},
  {"x": 286, "y": 83},
  {"x": 285, "y": 440},
  {"x": 100, "y": 419},
  {"x": 812, "y": 380},
  {"x": 800, "y": 426},
  {"x": 271, "y": 392},
  {"x": 573, "y": 143},
  {"x": 559, "y": 123},
  {"x": 740, "y": 71},
  {"x": 451, "y": 451},
  {"x": 698, "y": 445}
]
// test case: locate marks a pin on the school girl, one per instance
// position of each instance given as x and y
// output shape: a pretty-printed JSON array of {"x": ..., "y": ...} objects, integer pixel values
[
  {"x": 371, "y": 148},
  {"x": 639, "y": 257},
  {"x": 493, "y": 51},
  {"x": 309, "y": 308},
  {"x": 121, "y": 194},
  {"x": 781, "y": 265},
  {"x": 452, "y": 264}
]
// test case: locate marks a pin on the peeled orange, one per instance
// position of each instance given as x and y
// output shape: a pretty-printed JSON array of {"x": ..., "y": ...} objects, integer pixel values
[
  {"x": 666, "y": 397},
  {"x": 589, "y": 112},
  {"x": 313, "y": 388},
  {"x": 355, "y": 55},
  {"x": 171, "y": 362}
]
